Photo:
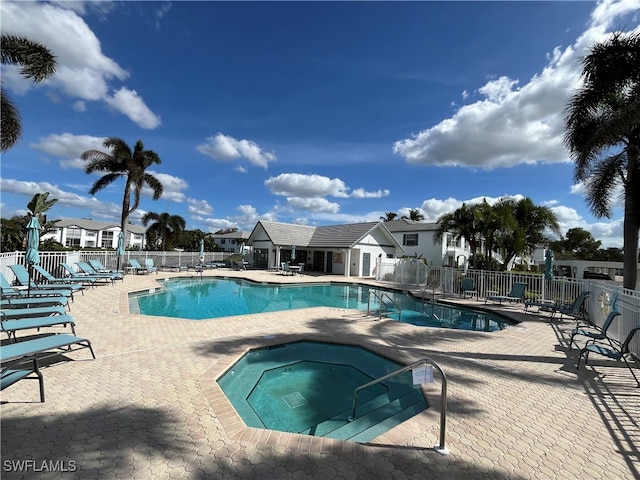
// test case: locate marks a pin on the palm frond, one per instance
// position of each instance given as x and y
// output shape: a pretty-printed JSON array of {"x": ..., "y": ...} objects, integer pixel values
[
  {"x": 35, "y": 60},
  {"x": 10, "y": 125}
]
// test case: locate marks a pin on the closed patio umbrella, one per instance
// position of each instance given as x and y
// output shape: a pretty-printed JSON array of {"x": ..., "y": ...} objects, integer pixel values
[
  {"x": 548, "y": 265},
  {"x": 32, "y": 255},
  {"x": 120, "y": 249},
  {"x": 201, "y": 250},
  {"x": 293, "y": 253}
]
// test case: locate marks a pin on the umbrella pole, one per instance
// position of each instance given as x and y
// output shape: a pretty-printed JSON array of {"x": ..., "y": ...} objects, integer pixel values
[{"x": 30, "y": 280}]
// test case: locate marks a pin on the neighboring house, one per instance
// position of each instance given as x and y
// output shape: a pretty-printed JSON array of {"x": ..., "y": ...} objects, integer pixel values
[
  {"x": 231, "y": 242},
  {"x": 416, "y": 239},
  {"x": 349, "y": 250},
  {"x": 75, "y": 232}
]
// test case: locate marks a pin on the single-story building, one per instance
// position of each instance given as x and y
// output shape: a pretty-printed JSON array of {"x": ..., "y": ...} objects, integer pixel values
[{"x": 349, "y": 250}]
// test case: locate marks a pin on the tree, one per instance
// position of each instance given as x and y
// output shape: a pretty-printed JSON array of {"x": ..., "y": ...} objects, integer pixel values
[
  {"x": 36, "y": 63},
  {"x": 122, "y": 162},
  {"x": 603, "y": 135},
  {"x": 414, "y": 215},
  {"x": 389, "y": 216},
  {"x": 462, "y": 223},
  {"x": 165, "y": 228},
  {"x": 526, "y": 229}
]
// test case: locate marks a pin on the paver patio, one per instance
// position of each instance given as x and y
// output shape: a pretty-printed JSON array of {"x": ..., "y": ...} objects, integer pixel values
[{"x": 147, "y": 407}]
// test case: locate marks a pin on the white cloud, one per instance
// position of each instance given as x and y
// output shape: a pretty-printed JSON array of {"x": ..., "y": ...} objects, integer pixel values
[
  {"x": 227, "y": 149},
  {"x": 362, "y": 193},
  {"x": 172, "y": 187},
  {"x": 129, "y": 102},
  {"x": 199, "y": 207},
  {"x": 306, "y": 186},
  {"x": 511, "y": 126},
  {"x": 83, "y": 71},
  {"x": 315, "y": 204},
  {"x": 69, "y": 148}
]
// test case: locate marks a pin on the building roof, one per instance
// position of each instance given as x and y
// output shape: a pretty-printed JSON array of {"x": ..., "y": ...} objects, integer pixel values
[
  {"x": 330, "y": 236},
  {"x": 94, "y": 225},
  {"x": 406, "y": 225},
  {"x": 230, "y": 235}
]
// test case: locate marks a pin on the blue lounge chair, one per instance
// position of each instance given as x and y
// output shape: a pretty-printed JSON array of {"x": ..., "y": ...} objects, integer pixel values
[
  {"x": 575, "y": 309},
  {"x": 88, "y": 269},
  {"x": 468, "y": 288},
  {"x": 593, "y": 332},
  {"x": 21, "y": 302},
  {"x": 27, "y": 312},
  {"x": 20, "y": 360},
  {"x": 9, "y": 376},
  {"x": 22, "y": 276},
  {"x": 10, "y": 327},
  {"x": 515, "y": 295},
  {"x": 610, "y": 351},
  {"x": 61, "y": 282},
  {"x": 148, "y": 263},
  {"x": 138, "y": 269},
  {"x": 9, "y": 291},
  {"x": 83, "y": 278},
  {"x": 100, "y": 268}
]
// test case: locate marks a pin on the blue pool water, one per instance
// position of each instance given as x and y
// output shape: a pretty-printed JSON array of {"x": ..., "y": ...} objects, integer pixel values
[
  {"x": 206, "y": 298},
  {"x": 307, "y": 387}
]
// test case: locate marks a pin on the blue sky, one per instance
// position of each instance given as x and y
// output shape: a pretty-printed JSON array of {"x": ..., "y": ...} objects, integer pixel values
[{"x": 314, "y": 112}]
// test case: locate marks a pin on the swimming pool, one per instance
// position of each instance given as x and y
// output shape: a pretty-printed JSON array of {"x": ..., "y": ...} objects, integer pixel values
[{"x": 207, "y": 298}]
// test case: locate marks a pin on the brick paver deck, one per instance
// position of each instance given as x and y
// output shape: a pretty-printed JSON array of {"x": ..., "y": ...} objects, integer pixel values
[{"x": 149, "y": 407}]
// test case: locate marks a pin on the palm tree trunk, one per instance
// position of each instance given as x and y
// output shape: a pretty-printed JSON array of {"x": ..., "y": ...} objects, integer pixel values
[{"x": 630, "y": 233}]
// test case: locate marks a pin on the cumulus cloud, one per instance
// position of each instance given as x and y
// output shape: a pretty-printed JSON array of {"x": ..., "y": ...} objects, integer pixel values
[
  {"x": 172, "y": 187},
  {"x": 129, "y": 103},
  {"x": 95, "y": 206},
  {"x": 513, "y": 124},
  {"x": 199, "y": 207},
  {"x": 362, "y": 193},
  {"x": 68, "y": 147},
  {"x": 306, "y": 186},
  {"x": 228, "y": 149},
  {"x": 315, "y": 204},
  {"x": 84, "y": 72}
]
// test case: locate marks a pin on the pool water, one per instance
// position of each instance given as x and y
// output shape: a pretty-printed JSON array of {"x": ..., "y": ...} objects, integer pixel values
[
  {"x": 307, "y": 387},
  {"x": 206, "y": 298}
]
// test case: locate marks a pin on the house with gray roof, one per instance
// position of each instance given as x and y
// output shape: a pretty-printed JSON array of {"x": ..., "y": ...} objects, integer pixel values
[
  {"x": 417, "y": 240},
  {"x": 348, "y": 250},
  {"x": 78, "y": 232}
]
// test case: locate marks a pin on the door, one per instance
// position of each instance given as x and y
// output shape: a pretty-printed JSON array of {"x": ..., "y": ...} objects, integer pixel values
[
  {"x": 366, "y": 264},
  {"x": 329, "y": 262},
  {"x": 318, "y": 261}
]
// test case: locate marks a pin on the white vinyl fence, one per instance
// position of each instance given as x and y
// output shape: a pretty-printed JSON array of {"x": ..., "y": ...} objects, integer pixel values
[{"x": 603, "y": 296}]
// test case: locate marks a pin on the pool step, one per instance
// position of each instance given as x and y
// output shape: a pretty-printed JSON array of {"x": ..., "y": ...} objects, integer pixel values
[{"x": 377, "y": 421}]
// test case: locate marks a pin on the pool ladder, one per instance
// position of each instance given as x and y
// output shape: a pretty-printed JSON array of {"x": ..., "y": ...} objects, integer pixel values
[
  {"x": 381, "y": 297},
  {"x": 443, "y": 397}
]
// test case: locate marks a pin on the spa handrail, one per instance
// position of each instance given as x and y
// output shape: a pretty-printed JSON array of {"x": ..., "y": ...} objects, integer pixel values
[{"x": 443, "y": 396}]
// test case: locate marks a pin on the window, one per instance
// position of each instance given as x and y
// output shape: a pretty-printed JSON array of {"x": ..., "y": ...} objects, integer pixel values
[
  {"x": 91, "y": 233},
  {"x": 107, "y": 240},
  {"x": 410, "y": 239},
  {"x": 73, "y": 237}
]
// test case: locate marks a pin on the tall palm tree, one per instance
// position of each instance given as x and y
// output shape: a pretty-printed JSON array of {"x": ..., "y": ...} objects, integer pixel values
[
  {"x": 36, "y": 63},
  {"x": 603, "y": 135},
  {"x": 414, "y": 215},
  {"x": 165, "y": 227},
  {"x": 122, "y": 162}
]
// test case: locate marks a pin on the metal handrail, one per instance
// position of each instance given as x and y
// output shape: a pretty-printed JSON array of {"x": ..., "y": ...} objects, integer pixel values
[
  {"x": 380, "y": 299},
  {"x": 443, "y": 397}
]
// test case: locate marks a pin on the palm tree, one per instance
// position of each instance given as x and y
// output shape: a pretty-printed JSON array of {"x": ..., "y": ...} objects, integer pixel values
[
  {"x": 36, "y": 63},
  {"x": 462, "y": 223},
  {"x": 522, "y": 227},
  {"x": 166, "y": 227},
  {"x": 603, "y": 135},
  {"x": 389, "y": 216},
  {"x": 414, "y": 215},
  {"x": 121, "y": 162}
]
